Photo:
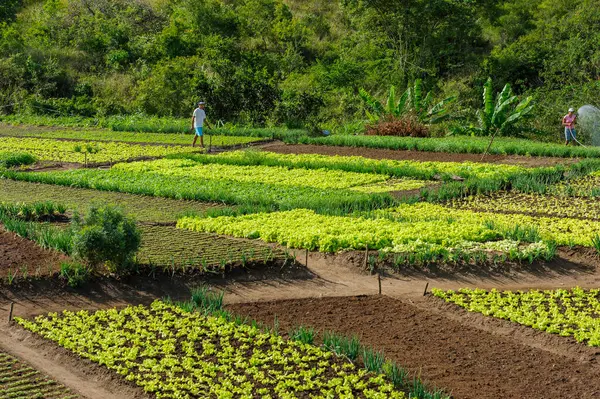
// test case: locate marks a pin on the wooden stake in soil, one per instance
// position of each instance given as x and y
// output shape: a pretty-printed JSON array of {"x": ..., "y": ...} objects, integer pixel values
[
  {"x": 426, "y": 286},
  {"x": 379, "y": 281},
  {"x": 366, "y": 256},
  {"x": 306, "y": 262},
  {"x": 12, "y": 305}
]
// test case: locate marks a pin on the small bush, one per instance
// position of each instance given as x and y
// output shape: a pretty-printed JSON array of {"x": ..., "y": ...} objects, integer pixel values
[
  {"x": 11, "y": 159},
  {"x": 75, "y": 273},
  {"x": 107, "y": 237},
  {"x": 404, "y": 127}
]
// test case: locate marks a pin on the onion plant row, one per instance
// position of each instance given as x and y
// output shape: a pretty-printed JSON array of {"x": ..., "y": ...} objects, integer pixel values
[
  {"x": 458, "y": 144},
  {"x": 24, "y": 220}
]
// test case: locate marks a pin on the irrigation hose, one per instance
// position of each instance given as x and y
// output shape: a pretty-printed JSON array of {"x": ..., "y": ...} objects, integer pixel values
[{"x": 577, "y": 141}]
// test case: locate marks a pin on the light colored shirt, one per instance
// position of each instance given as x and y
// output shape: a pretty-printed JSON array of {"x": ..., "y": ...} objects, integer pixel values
[
  {"x": 199, "y": 116},
  {"x": 569, "y": 120}
]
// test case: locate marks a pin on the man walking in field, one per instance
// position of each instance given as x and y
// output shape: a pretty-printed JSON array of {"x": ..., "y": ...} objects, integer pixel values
[
  {"x": 198, "y": 120},
  {"x": 569, "y": 124}
]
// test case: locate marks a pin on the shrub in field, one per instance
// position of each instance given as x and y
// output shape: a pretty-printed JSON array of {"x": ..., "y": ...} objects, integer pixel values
[
  {"x": 107, "y": 237},
  {"x": 10, "y": 159},
  {"x": 404, "y": 127}
]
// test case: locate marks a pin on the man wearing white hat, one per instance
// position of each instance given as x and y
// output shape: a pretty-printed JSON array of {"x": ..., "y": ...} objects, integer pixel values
[
  {"x": 198, "y": 120},
  {"x": 569, "y": 124}
]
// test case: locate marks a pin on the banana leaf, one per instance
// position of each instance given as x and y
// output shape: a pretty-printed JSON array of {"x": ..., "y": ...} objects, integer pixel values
[
  {"x": 403, "y": 103},
  {"x": 391, "y": 101}
]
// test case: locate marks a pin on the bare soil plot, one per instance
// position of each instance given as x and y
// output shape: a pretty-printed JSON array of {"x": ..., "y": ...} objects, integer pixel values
[
  {"x": 423, "y": 156},
  {"x": 22, "y": 259},
  {"x": 468, "y": 362}
]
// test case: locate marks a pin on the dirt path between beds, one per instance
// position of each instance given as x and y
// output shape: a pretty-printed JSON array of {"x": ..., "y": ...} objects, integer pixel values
[{"x": 422, "y": 156}]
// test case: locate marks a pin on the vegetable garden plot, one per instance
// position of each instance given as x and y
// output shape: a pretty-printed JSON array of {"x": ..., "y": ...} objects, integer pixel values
[
  {"x": 155, "y": 138},
  {"x": 570, "y": 313},
  {"x": 436, "y": 235},
  {"x": 322, "y": 178},
  {"x": 533, "y": 204},
  {"x": 408, "y": 228},
  {"x": 66, "y": 151},
  {"x": 143, "y": 208},
  {"x": 411, "y": 169},
  {"x": 175, "y": 354},
  {"x": 199, "y": 189},
  {"x": 17, "y": 380},
  {"x": 588, "y": 186},
  {"x": 562, "y": 231},
  {"x": 168, "y": 247}
]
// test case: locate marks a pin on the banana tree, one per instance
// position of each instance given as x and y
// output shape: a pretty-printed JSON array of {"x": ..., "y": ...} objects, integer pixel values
[
  {"x": 411, "y": 101},
  {"x": 503, "y": 116}
]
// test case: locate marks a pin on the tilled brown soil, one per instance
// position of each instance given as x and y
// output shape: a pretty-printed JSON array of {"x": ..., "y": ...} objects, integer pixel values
[
  {"x": 423, "y": 156},
  {"x": 468, "y": 362},
  {"x": 24, "y": 258}
]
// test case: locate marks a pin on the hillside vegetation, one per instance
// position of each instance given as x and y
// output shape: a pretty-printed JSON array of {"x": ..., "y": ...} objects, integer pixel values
[{"x": 298, "y": 63}]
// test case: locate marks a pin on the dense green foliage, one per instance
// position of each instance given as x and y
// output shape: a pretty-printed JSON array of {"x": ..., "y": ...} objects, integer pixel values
[
  {"x": 11, "y": 159},
  {"x": 106, "y": 237},
  {"x": 299, "y": 63}
]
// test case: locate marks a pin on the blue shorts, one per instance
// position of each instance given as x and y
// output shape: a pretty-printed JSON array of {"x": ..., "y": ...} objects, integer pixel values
[
  {"x": 199, "y": 131},
  {"x": 570, "y": 133}
]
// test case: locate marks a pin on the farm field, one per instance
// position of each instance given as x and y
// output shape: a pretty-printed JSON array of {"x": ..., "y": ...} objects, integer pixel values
[
  {"x": 143, "y": 208},
  {"x": 75, "y": 151},
  {"x": 218, "y": 357},
  {"x": 272, "y": 229},
  {"x": 128, "y": 137},
  {"x": 18, "y": 380},
  {"x": 416, "y": 155},
  {"x": 299, "y": 199},
  {"x": 569, "y": 313}
]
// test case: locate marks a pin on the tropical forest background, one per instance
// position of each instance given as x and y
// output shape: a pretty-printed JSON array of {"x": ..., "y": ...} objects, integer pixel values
[{"x": 297, "y": 63}]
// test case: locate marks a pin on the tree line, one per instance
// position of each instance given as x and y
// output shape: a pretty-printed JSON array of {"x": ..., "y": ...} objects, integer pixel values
[{"x": 292, "y": 62}]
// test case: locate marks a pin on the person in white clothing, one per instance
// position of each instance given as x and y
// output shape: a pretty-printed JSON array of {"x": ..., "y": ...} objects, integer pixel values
[{"x": 198, "y": 119}]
